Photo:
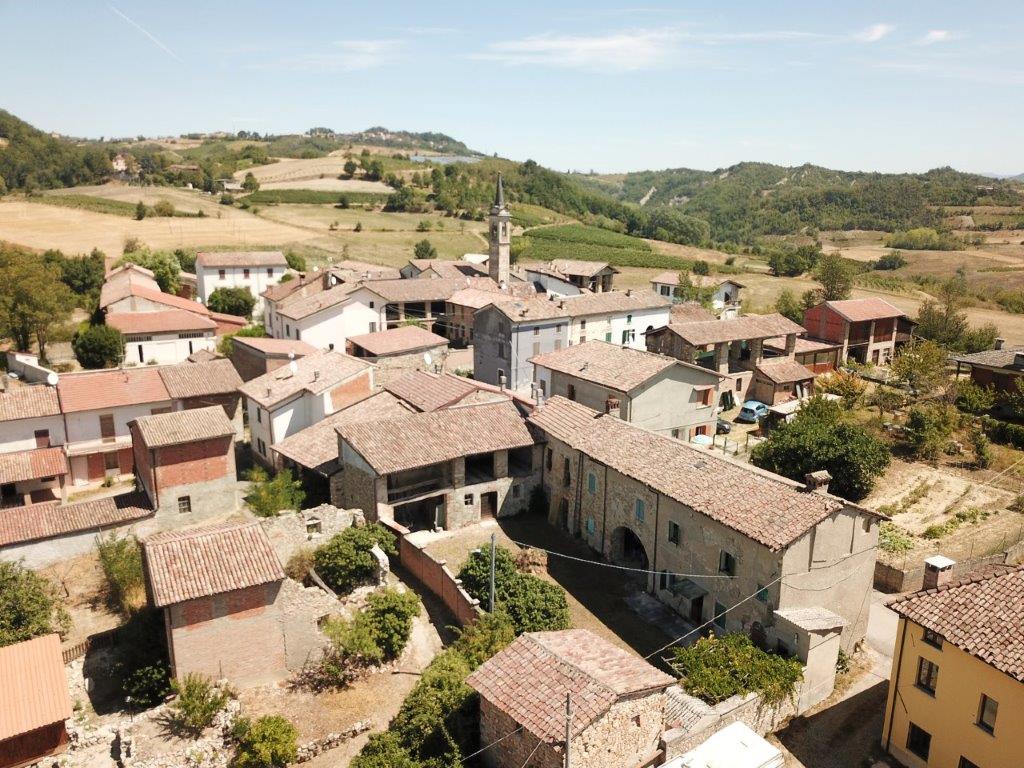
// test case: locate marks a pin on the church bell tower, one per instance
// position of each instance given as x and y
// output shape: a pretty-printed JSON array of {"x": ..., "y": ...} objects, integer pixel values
[{"x": 500, "y": 238}]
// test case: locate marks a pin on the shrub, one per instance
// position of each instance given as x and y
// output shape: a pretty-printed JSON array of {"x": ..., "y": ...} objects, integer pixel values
[
  {"x": 121, "y": 560},
  {"x": 29, "y": 605},
  {"x": 299, "y": 564},
  {"x": 390, "y": 614},
  {"x": 384, "y": 750},
  {"x": 923, "y": 238},
  {"x": 928, "y": 429},
  {"x": 147, "y": 686},
  {"x": 164, "y": 208},
  {"x": 295, "y": 261},
  {"x": 345, "y": 561},
  {"x": 713, "y": 669},
  {"x": 893, "y": 539},
  {"x": 424, "y": 249},
  {"x": 846, "y": 384},
  {"x": 268, "y": 742},
  {"x": 197, "y": 703},
  {"x": 140, "y": 210},
  {"x": 983, "y": 457},
  {"x": 269, "y": 496},
  {"x": 973, "y": 398},
  {"x": 891, "y": 260},
  {"x": 232, "y": 301},
  {"x": 98, "y": 346}
]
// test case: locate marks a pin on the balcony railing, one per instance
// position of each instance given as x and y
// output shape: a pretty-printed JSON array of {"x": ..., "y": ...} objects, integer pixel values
[
  {"x": 409, "y": 490},
  {"x": 98, "y": 445}
]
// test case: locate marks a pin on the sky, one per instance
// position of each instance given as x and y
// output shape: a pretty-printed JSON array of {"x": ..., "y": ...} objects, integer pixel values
[{"x": 901, "y": 85}]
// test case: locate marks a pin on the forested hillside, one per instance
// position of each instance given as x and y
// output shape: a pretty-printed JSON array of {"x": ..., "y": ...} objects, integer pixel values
[{"x": 31, "y": 159}]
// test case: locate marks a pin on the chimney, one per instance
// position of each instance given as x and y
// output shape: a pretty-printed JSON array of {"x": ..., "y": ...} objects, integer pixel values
[
  {"x": 629, "y": 291},
  {"x": 501, "y": 380},
  {"x": 1000, "y": 343},
  {"x": 817, "y": 481},
  {"x": 316, "y": 375},
  {"x": 938, "y": 570},
  {"x": 533, "y": 391},
  {"x": 612, "y": 407}
]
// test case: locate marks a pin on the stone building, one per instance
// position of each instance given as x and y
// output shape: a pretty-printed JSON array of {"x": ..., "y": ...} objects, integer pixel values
[
  {"x": 652, "y": 391},
  {"x": 617, "y": 701},
  {"x": 507, "y": 334},
  {"x": 571, "y": 277},
  {"x": 447, "y": 468},
  {"x": 229, "y": 611},
  {"x": 257, "y": 355},
  {"x": 1000, "y": 368},
  {"x": 397, "y": 351},
  {"x": 185, "y": 462},
  {"x": 669, "y": 507}
]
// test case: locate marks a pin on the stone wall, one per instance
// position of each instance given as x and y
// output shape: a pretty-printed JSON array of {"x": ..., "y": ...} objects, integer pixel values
[
  {"x": 291, "y": 531},
  {"x": 353, "y": 488}
]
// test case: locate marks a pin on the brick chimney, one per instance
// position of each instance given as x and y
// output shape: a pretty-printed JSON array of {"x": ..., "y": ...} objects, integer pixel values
[
  {"x": 501, "y": 380},
  {"x": 938, "y": 570},
  {"x": 817, "y": 481},
  {"x": 613, "y": 407},
  {"x": 1000, "y": 343}
]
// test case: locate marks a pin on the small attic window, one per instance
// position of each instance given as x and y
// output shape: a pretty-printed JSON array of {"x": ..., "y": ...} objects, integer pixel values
[{"x": 314, "y": 527}]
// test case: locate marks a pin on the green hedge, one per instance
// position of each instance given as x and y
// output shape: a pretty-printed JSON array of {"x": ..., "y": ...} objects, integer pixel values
[
  {"x": 313, "y": 196},
  {"x": 1003, "y": 432}
]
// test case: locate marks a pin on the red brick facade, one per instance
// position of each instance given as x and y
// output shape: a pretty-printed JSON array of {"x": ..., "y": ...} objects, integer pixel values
[
  {"x": 33, "y": 746},
  {"x": 351, "y": 391}
]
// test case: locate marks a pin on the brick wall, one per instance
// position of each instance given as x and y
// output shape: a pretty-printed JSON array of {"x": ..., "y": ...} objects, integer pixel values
[{"x": 351, "y": 391}]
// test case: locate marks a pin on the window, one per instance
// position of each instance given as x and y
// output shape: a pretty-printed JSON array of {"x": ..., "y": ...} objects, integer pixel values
[
  {"x": 726, "y": 563},
  {"x": 468, "y": 499},
  {"x": 762, "y": 593},
  {"x": 591, "y": 526},
  {"x": 270, "y": 271},
  {"x": 515, "y": 491},
  {"x": 583, "y": 326},
  {"x": 639, "y": 510},
  {"x": 739, "y": 384},
  {"x": 42, "y": 438},
  {"x": 570, "y": 391},
  {"x": 287, "y": 329},
  {"x": 987, "y": 711},
  {"x": 221, "y": 274},
  {"x": 259, "y": 415},
  {"x": 110, "y": 462},
  {"x": 245, "y": 273},
  {"x": 719, "y": 615},
  {"x": 934, "y": 639},
  {"x": 107, "y": 428},
  {"x": 566, "y": 475},
  {"x": 608, "y": 337},
  {"x": 536, "y": 348},
  {"x": 706, "y": 396},
  {"x": 261, "y": 446},
  {"x": 628, "y": 335},
  {"x": 919, "y": 741},
  {"x": 629, "y": 319},
  {"x": 548, "y": 456},
  {"x": 184, "y": 504},
  {"x": 591, "y": 483},
  {"x": 674, "y": 533},
  {"x": 558, "y": 344},
  {"x": 536, "y": 330},
  {"x": 927, "y": 675},
  {"x": 965, "y": 763}
]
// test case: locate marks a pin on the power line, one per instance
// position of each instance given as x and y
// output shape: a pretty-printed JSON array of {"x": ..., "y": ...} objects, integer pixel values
[
  {"x": 624, "y": 567},
  {"x": 496, "y": 741},
  {"x": 530, "y": 756}
]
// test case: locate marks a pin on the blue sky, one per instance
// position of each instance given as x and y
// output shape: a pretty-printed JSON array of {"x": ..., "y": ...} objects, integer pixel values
[{"x": 610, "y": 86}]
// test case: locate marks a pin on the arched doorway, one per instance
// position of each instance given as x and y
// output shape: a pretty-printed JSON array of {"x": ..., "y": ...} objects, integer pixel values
[{"x": 627, "y": 549}]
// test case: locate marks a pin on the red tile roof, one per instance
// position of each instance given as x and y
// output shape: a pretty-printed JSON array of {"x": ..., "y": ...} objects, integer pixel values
[
  {"x": 860, "y": 310},
  {"x": 529, "y": 680},
  {"x": 313, "y": 373},
  {"x": 398, "y": 341},
  {"x": 201, "y": 379},
  {"x": 32, "y": 465},
  {"x": 580, "y": 268},
  {"x": 49, "y": 519},
  {"x": 170, "y": 300},
  {"x": 430, "y": 391},
  {"x": 275, "y": 347},
  {"x": 29, "y": 403},
  {"x": 110, "y": 389},
  {"x": 783, "y": 370},
  {"x": 394, "y": 445},
  {"x": 689, "y": 312},
  {"x": 33, "y": 686},
  {"x": 983, "y": 616},
  {"x": 241, "y": 259},
  {"x": 164, "y": 321},
  {"x": 177, "y": 427},
  {"x": 736, "y": 329},
  {"x": 762, "y": 506},
  {"x": 209, "y": 560},
  {"x": 436, "y": 289}
]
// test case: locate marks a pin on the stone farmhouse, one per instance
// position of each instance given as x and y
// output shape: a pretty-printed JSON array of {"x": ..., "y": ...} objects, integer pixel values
[
  {"x": 228, "y": 608},
  {"x": 867, "y": 330},
  {"x": 653, "y": 391},
  {"x": 253, "y": 270},
  {"x": 725, "y": 292},
  {"x": 291, "y": 398},
  {"x": 398, "y": 351},
  {"x": 443, "y": 469},
  {"x": 570, "y": 277},
  {"x": 735, "y": 348},
  {"x": 669, "y": 507},
  {"x": 618, "y": 703},
  {"x": 34, "y": 702},
  {"x": 254, "y": 356}
]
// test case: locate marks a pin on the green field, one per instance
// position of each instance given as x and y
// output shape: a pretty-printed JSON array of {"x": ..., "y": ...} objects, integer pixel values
[
  {"x": 578, "y": 241},
  {"x": 101, "y": 205},
  {"x": 312, "y": 197}
]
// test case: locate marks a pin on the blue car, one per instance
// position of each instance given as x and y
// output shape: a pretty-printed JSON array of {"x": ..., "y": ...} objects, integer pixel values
[{"x": 751, "y": 411}]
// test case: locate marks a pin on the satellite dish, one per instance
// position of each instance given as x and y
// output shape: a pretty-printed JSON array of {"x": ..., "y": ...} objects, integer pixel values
[
  {"x": 51, "y": 379},
  {"x": 427, "y": 359},
  {"x": 293, "y": 367},
  {"x": 291, "y": 354}
]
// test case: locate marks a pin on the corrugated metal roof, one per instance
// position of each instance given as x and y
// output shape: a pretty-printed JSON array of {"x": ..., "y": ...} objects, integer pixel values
[{"x": 33, "y": 686}]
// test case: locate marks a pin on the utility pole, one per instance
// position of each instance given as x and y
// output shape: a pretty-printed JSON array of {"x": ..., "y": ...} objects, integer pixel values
[
  {"x": 493, "y": 538},
  {"x": 568, "y": 727}
]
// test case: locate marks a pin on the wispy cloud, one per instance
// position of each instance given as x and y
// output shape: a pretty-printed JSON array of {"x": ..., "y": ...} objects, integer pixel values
[
  {"x": 936, "y": 36},
  {"x": 349, "y": 56},
  {"x": 874, "y": 33},
  {"x": 616, "y": 52},
  {"x": 152, "y": 38}
]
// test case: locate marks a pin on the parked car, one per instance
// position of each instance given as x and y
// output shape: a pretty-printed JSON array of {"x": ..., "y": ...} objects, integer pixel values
[
  {"x": 751, "y": 411},
  {"x": 723, "y": 427}
]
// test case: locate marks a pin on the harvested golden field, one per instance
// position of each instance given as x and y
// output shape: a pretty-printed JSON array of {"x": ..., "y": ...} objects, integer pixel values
[
  {"x": 314, "y": 173},
  {"x": 183, "y": 199}
]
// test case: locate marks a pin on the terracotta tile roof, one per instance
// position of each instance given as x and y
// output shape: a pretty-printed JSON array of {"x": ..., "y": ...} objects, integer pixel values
[
  {"x": 803, "y": 345},
  {"x": 764, "y": 507},
  {"x": 209, "y": 560},
  {"x": 286, "y": 288},
  {"x": 666, "y": 278},
  {"x": 859, "y": 310},
  {"x": 202, "y": 379},
  {"x": 613, "y": 301},
  {"x": 610, "y": 365},
  {"x": 429, "y": 391},
  {"x": 398, "y": 341},
  {"x": 170, "y": 300},
  {"x": 449, "y": 268},
  {"x": 316, "y": 447},
  {"x": 32, "y": 465},
  {"x": 166, "y": 321},
  {"x": 689, "y": 312},
  {"x": 438, "y": 289},
  {"x": 580, "y": 268},
  {"x": 313, "y": 373},
  {"x": 783, "y": 370},
  {"x": 119, "y": 283},
  {"x": 276, "y": 347},
  {"x": 177, "y": 427},
  {"x": 241, "y": 259},
  {"x": 33, "y": 686},
  {"x": 529, "y": 680},
  {"x": 48, "y": 519},
  {"x": 474, "y": 298},
  {"x": 309, "y": 302},
  {"x": 29, "y": 403},
  {"x": 202, "y": 356},
  {"x": 704, "y": 281},
  {"x": 994, "y": 358},
  {"x": 531, "y": 309},
  {"x": 110, "y": 389},
  {"x": 737, "y": 329},
  {"x": 394, "y": 445},
  {"x": 981, "y": 615}
]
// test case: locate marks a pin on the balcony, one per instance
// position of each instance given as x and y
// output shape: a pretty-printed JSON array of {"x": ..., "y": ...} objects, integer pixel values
[
  {"x": 416, "y": 482},
  {"x": 98, "y": 445}
]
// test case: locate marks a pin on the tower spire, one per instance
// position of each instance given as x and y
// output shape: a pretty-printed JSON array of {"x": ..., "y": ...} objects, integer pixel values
[{"x": 499, "y": 195}]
